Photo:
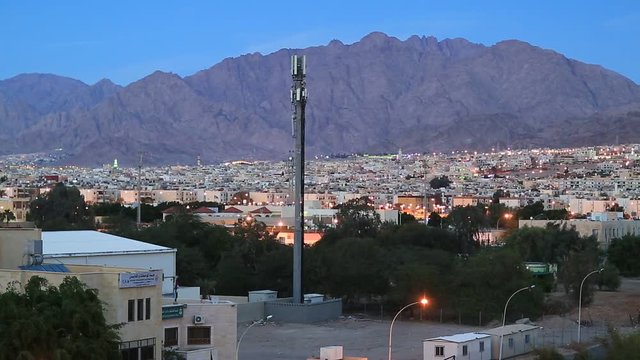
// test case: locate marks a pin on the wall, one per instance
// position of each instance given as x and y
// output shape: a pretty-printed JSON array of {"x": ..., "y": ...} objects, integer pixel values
[
  {"x": 13, "y": 243},
  {"x": 222, "y": 317},
  {"x": 304, "y": 313},
  {"x": 156, "y": 260}
]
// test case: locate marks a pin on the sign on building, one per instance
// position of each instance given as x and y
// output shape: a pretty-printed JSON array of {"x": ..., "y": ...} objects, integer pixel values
[{"x": 140, "y": 279}]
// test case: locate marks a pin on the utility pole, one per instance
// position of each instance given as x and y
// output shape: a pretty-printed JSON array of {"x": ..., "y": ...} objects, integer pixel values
[
  {"x": 298, "y": 102},
  {"x": 139, "y": 217}
]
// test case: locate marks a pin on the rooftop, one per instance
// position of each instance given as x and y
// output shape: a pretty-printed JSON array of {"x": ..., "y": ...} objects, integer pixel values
[
  {"x": 460, "y": 338},
  {"x": 85, "y": 242}
]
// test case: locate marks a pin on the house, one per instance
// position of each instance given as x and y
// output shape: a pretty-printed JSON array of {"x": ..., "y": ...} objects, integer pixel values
[
  {"x": 131, "y": 297},
  {"x": 516, "y": 339},
  {"x": 467, "y": 346},
  {"x": 88, "y": 247},
  {"x": 200, "y": 329}
]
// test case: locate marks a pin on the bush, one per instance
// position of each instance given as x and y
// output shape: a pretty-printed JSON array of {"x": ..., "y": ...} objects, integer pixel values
[
  {"x": 548, "y": 354},
  {"x": 609, "y": 279}
]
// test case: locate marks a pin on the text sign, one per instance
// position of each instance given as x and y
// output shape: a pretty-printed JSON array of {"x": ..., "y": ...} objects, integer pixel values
[
  {"x": 140, "y": 279},
  {"x": 172, "y": 312}
]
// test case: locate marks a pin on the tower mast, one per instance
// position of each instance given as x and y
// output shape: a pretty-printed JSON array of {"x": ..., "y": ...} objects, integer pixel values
[{"x": 298, "y": 102}]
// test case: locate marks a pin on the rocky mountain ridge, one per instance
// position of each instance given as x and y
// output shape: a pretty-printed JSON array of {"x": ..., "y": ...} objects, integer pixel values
[{"x": 376, "y": 95}]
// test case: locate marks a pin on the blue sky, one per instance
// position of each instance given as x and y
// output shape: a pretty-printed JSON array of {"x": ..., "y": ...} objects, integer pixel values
[{"x": 127, "y": 40}]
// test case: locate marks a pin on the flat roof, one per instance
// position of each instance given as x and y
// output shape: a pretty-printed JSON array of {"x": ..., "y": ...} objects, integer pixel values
[
  {"x": 90, "y": 242},
  {"x": 460, "y": 338},
  {"x": 509, "y": 329}
]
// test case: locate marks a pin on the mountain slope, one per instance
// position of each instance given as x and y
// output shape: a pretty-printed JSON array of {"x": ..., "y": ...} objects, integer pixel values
[{"x": 376, "y": 95}]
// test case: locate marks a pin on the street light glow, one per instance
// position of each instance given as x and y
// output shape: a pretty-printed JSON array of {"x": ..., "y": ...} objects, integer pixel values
[{"x": 424, "y": 301}]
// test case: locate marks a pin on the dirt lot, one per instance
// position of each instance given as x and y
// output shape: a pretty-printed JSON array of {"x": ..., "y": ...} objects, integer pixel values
[{"x": 369, "y": 337}]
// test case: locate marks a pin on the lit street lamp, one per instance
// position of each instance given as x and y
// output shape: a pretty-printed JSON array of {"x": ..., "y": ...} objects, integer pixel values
[
  {"x": 424, "y": 302},
  {"x": 506, "y": 216},
  {"x": 580, "y": 300},
  {"x": 504, "y": 315},
  {"x": 247, "y": 329}
]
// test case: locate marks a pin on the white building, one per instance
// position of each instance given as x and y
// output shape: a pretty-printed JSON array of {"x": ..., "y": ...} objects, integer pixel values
[
  {"x": 87, "y": 247},
  {"x": 467, "y": 346},
  {"x": 517, "y": 339}
]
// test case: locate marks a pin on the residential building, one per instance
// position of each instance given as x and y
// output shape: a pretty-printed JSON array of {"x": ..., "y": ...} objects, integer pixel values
[{"x": 467, "y": 346}]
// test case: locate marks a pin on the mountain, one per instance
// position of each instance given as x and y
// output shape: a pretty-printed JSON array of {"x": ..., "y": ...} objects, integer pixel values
[{"x": 376, "y": 95}]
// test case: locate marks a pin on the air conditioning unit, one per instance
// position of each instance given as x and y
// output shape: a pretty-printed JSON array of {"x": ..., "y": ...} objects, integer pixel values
[{"x": 198, "y": 319}]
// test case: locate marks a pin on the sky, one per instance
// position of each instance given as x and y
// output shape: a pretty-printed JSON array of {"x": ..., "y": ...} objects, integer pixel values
[{"x": 127, "y": 40}]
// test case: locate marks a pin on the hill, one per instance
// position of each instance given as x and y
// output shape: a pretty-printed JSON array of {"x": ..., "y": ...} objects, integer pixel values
[{"x": 376, "y": 95}]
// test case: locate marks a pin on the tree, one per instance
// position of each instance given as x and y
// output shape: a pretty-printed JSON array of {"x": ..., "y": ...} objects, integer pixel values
[
  {"x": 624, "y": 254},
  {"x": 357, "y": 218},
  {"x": 435, "y": 220},
  {"x": 7, "y": 216},
  {"x": 609, "y": 279},
  {"x": 48, "y": 322},
  {"x": 62, "y": 208},
  {"x": 619, "y": 347},
  {"x": 466, "y": 222},
  {"x": 531, "y": 211},
  {"x": 502, "y": 271},
  {"x": 440, "y": 182}
]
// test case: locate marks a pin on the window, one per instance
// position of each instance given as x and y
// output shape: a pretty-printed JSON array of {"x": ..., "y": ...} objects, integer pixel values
[
  {"x": 147, "y": 308},
  {"x": 171, "y": 336},
  {"x": 526, "y": 338},
  {"x": 140, "y": 309},
  {"x": 481, "y": 346},
  {"x": 439, "y": 350},
  {"x": 132, "y": 310},
  {"x": 198, "y": 335},
  {"x": 465, "y": 350},
  {"x": 510, "y": 342}
]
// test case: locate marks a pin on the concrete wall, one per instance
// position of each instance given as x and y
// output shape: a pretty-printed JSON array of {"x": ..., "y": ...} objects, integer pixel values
[
  {"x": 304, "y": 313},
  {"x": 221, "y": 317},
  {"x": 156, "y": 260},
  {"x": 13, "y": 245}
]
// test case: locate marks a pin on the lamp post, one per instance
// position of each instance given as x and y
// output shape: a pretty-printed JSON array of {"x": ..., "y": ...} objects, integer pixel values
[
  {"x": 424, "y": 301},
  {"x": 504, "y": 315},
  {"x": 580, "y": 300},
  {"x": 506, "y": 216},
  {"x": 247, "y": 329}
]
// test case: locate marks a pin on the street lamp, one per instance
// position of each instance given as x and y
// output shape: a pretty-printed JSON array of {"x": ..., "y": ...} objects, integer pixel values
[
  {"x": 424, "y": 302},
  {"x": 262, "y": 321},
  {"x": 580, "y": 300},
  {"x": 504, "y": 315},
  {"x": 506, "y": 216}
]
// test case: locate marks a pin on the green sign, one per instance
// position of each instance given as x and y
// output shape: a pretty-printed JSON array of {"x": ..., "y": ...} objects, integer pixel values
[{"x": 172, "y": 312}]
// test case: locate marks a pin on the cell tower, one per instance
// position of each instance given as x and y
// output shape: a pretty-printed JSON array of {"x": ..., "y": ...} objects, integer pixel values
[{"x": 298, "y": 103}]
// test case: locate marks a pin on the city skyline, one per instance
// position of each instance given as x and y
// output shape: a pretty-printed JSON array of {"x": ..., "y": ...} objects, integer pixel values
[{"x": 125, "y": 42}]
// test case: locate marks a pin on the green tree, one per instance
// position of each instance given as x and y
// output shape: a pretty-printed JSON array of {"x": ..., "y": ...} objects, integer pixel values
[
  {"x": 622, "y": 347},
  {"x": 577, "y": 265},
  {"x": 357, "y": 218},
  {"x": 435, "y": 220},
  {"x": 200, "y": 246},
  {"x": 609, "y": 279},
  {"x": 502, "y": 271},
  {"x": 467, "y": 222},
  {"x": 624, "y": 254},
  {"x": 440, "y": 182},
  {"x": 531, "y": 211},
  {"x": 62, "y": 208},
  {"x": 7, "y": 216},
  {"x": 48, "y": 322}
]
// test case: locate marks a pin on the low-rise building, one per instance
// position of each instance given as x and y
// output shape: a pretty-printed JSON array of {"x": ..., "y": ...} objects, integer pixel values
[{"x": 468, "y": 346}]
